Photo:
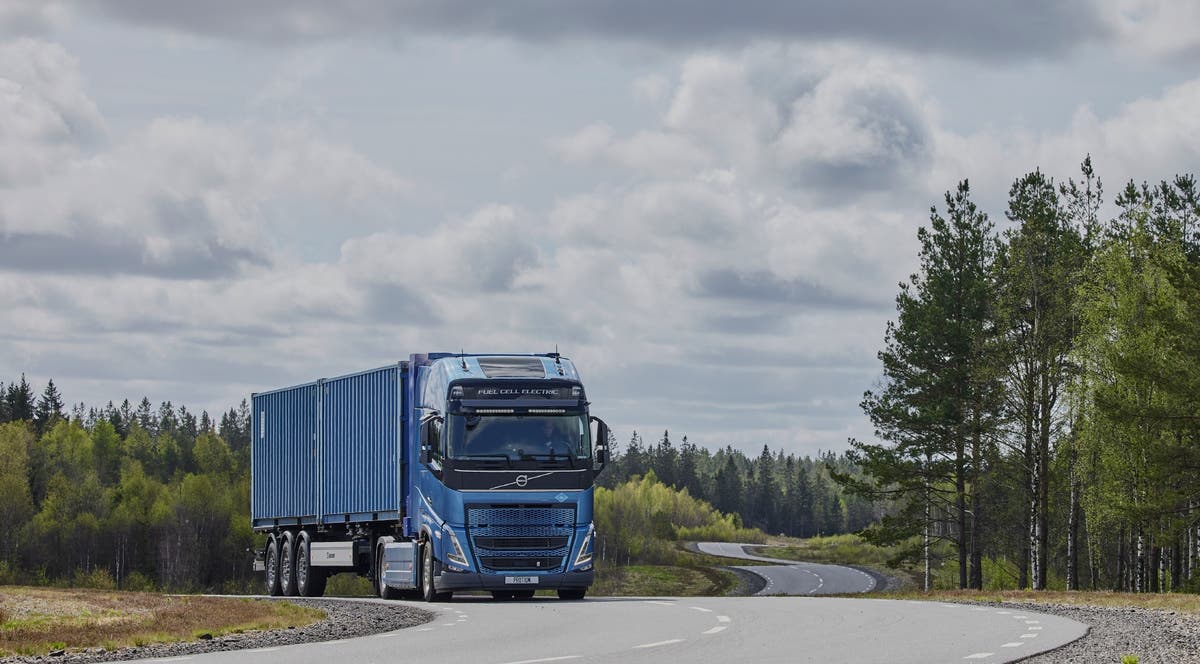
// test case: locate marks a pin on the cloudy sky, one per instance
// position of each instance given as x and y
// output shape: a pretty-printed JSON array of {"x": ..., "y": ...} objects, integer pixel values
[{"x": 708, "y": 205}]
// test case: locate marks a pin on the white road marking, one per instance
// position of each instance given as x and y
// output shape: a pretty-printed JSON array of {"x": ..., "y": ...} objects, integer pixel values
[
  {"x": 546, "y": 659},
  {"x": 332, "y": 643},
  {"x": 272, "y": 649},
  {"x": 1032, "y": 622},
  {"x": 718, "y": 628},
  {"x": 723, "y": 619},
  {"x": 1014, "y": 644},
  {"x": 979, "y": 655},
  {"x": 700, "y": 609},
  {"x": 169, "y": 659},
  {"x": 658, "y": 643},
  {"x": 449, "y": 624},
  {"x": 1004, "y": 613},
  {"x": 386, "y": 635},
  {"x": 425, "y": 629},
  {"x": 1029, "y": 636},
  {"x": 660, "y": 603},
  {"x": 1035, "y": 627}
]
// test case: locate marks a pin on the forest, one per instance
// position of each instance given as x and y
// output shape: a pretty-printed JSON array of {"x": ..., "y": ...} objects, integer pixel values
[{"x": 1038, "y": 413}]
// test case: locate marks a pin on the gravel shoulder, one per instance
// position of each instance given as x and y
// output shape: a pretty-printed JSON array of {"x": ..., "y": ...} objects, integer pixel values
[
  {"x": 1155, "y": 636},
  {"x": 344, "y": 619}
]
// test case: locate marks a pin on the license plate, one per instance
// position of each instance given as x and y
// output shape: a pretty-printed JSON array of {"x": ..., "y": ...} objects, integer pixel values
[{"x": 521, "y": 580}]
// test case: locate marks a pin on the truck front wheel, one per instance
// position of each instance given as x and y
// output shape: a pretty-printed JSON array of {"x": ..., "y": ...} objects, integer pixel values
[
  {"x": 428, "y": 589},
  {"x": 272, "y": 565}
]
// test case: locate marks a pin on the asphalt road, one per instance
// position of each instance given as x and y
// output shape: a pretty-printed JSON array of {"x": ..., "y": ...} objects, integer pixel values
[
  {"x": 477, "y": 630},
  {"x": 789, "y": 577}
]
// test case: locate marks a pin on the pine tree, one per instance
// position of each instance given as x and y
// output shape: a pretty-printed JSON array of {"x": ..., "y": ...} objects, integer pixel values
[
  {"x": 49, "y": 408},
  {"x": 20, "y": 401}
]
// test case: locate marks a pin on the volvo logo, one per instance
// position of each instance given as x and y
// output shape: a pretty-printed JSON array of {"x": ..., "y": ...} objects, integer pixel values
[{"x": 522, "y": 480}]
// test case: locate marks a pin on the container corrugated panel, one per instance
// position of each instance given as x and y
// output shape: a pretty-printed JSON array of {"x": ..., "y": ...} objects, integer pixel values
[
  {"x": 285, "y": 454},
  {"x": 360, "y": 432}
]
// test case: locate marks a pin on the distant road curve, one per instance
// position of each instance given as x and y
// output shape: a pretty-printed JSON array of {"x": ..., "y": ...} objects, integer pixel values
[{"x": 788, "y": 577}]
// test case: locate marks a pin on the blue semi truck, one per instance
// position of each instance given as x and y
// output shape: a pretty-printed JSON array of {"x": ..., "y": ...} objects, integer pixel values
[{"x": 446, "y": 472}]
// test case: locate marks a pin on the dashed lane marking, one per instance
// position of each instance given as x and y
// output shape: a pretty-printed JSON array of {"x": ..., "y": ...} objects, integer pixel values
[
  {"x": 660, "y": 603},
  {"x": 425, "y": 629},
  {"x": 1034, "y": 628},
  {"x": 701, "y": 609},
  {"x": 979, "y": 655},
  {"x": 723, "y": 619},
  {"x": 718, "y": 628},
  {"x": 658, "y": 643},
  {"x": 546, "y": 659},
  {"x": 1014, "y": 644},
  {"x": 386, "y": 635},
  {"x": 1029, "y": 636},
  {"x": 271, "y": 649}
]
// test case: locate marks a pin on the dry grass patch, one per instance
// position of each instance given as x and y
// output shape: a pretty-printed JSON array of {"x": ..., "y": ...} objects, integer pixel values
[
  {"x": 35, "y": 621},
  {"x": 1179, "y": 602},
  {"x": 662, "y": 581}
]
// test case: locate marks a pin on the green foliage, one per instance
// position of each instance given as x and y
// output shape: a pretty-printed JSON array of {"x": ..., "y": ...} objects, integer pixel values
[
  {"x": 123, "y": 498},
  {"x": 640, "y": 520}
]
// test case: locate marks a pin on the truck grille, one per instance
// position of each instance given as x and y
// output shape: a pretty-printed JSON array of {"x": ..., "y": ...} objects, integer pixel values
[{"x": 521, "y": 538}]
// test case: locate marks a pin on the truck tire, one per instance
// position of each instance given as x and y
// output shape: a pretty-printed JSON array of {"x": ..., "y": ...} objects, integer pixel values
[
  {"x": 287, "y": 566},
  {"x": 572, "y": 593},
  {"x": 428, "y": 589},
  {"x": 310, "y": 581},
  {"x": 384, "y": 591},
  {"x": 272, "y": 565}
]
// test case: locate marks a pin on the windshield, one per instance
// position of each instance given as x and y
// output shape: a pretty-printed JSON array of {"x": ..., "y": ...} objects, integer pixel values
[{"x": 510, "y": 438}]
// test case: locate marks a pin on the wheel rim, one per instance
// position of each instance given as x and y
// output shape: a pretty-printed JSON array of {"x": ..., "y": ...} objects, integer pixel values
[
  {"x": 272, "y": 567},
  {"x": 285, "y": 565},
  {"x": 302, "y": 567}
]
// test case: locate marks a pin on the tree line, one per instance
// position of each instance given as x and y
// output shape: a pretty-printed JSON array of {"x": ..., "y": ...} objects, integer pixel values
[
  {"x": 1039, "y": 407},
  {"x": 125, "y": 496},
  {"x": 773, "y": 492}
]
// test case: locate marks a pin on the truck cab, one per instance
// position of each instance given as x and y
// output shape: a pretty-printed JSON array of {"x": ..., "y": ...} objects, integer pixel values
[{"x": 501, "y": 487}]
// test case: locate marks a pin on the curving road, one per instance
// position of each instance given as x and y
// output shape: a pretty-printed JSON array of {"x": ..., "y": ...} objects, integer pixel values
[
  {"x": 702, "y": 629},
  {"x": 789, "y": 577}
]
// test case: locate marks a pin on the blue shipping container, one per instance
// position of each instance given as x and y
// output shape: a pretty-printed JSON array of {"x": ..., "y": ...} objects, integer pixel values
[{"x": 329, "y": 452}]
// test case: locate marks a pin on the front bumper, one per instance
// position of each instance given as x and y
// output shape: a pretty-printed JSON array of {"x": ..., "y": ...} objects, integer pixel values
[{"x": 449, "y": 581}]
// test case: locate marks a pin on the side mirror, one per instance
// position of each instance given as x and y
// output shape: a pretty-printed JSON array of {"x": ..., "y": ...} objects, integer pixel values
[{"x": 601, "y": 444}]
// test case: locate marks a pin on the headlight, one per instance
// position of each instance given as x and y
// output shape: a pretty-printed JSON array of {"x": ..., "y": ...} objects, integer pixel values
[
  {"x": 456, "y": 556},
  {"x": 585, "y": 549}
]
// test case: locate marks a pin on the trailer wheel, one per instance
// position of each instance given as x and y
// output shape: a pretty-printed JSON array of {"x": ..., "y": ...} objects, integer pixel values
[
  {"x": 310, "y": 581},
  {"x": 272, "y": 564},
  {"x": 287, "y": 566},
  {"x": 384, "y": 591},
  {"x": 572, "y": 593}
]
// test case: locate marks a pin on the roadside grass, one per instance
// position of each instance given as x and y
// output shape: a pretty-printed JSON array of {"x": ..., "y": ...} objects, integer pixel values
[
  {"x": 663, "y": 581},
  {"x": 1178, "y": 602},
  {"x": 836, "y": 549},
  {"x": 37, "y": 621}
]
